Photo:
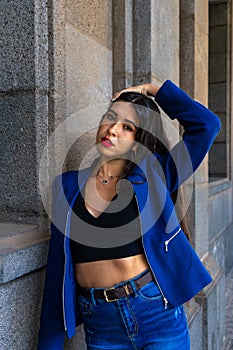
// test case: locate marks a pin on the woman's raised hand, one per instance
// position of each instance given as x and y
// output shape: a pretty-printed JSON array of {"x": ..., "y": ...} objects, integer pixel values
[{"x": 144, "y": 89}]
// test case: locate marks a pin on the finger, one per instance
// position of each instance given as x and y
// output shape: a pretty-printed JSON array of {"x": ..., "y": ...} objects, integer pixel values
[{"x": 118, "y": 94}]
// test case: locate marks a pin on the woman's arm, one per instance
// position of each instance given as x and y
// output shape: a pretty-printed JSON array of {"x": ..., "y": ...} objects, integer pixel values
[{"x": 200, "y": 129}]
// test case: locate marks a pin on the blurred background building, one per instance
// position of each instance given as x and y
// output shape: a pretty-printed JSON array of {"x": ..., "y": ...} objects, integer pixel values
[{"x": 60, "y": 57}]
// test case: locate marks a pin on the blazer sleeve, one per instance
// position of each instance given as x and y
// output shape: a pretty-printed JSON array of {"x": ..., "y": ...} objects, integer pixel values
[
  {"x": 200, "y": 129},
  {"x": 52, "y": 331}
]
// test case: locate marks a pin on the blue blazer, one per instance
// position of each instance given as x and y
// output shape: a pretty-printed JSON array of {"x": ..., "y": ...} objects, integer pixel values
[{"x": 178, "y": 270}]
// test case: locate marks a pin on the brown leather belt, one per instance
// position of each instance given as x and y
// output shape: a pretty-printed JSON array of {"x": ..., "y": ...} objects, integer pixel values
[{"x": 113, "y": 294}]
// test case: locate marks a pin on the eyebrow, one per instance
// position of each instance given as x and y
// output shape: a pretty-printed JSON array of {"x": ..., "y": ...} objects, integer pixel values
[
  {"x": 131, "y": 122},
  {"x": 111, "y": 110},
  {"x": 126, "y": 120}
]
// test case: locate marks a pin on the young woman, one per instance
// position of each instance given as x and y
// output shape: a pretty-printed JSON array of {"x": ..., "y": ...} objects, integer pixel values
[{"x": 119, "y": 261}]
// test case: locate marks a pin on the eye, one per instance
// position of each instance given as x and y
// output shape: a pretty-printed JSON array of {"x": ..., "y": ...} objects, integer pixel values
[
  {"x": 110, "y": 116},
  {"x": 107, "y": 117},
  {"x": 128, "y": 127}
]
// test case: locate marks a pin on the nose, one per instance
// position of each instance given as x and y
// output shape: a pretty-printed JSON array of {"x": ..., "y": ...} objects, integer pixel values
[{"x": 113, "y": 129}]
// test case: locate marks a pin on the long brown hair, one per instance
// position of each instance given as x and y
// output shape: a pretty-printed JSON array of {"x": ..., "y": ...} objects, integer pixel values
[{"x": 150, "y": 121}]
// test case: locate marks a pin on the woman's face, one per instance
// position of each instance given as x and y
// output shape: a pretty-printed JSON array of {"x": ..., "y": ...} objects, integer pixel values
[{"x": 116, "y": 133}]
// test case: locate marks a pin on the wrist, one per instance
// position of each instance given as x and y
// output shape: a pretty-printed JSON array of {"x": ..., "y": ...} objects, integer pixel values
[{"x": 153, "y": 89}]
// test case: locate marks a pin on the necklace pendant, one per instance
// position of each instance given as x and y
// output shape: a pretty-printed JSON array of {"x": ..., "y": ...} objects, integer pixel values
[{"x": 105, "y": 181}]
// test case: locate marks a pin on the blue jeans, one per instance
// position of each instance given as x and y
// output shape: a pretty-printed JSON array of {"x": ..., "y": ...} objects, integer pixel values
[{"x": 138, "y": 322}]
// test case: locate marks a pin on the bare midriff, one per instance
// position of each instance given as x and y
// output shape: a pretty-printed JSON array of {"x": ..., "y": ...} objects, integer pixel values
[{"x": 107, "y": 273}]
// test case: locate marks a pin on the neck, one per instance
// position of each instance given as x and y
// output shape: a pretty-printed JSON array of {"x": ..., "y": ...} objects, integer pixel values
[{"x": 112, "y": 167}]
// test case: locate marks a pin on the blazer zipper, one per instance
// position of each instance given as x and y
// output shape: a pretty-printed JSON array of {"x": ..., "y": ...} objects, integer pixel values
[
  {"x": 64, "y": 276},
  {"x": 156, "y": 280},
  {"x": 170, "y": 239}
]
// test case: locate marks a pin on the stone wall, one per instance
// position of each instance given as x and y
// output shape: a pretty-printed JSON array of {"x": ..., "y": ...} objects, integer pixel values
[
  {"x": 61, "y": 62},
  {"x": 23, "y": 107},
  {"x": 24, "y": 131}
]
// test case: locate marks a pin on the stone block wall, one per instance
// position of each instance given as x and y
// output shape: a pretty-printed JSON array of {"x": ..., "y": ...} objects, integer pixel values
[
  {"x": 23, "y": 254},
  {"x": 60, "y": 60},
  {"x": 23, "y": 107},
  {"x": 24, "y": 130},
  {"x": 20, "y": 309}
]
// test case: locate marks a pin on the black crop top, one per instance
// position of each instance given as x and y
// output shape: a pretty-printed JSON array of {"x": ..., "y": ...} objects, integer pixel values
[{"x": 115, "y": 234}]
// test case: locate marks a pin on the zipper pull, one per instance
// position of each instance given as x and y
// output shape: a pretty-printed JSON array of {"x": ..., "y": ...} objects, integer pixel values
[
  {"x": 166, "y": 245},
  {"x": 165, "y": 303}
]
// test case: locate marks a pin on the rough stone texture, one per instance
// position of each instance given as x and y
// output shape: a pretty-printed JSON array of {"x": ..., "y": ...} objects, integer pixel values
[
  {"x": 216, "y": 187},
  {"x": 228, "y": 344},
  {"x": 128, "y": 42},
  {"x": 217, "y": 249},
  {"x": 92, "y": 19},
  {"x": 141, "y": 41},
  {"x": 41, "y": 44},
  {"x": 194, "y": 79},
  {"x": 24, "y": 45},
  {"x": 200, "y": 212},
  {"x": 221, "y": 245},
  {"x": 201, "y": 74},
  {"x": 88, "y": 72},
  {"x": 23, "y": 249},
  {"x": 194, "y": 316},
  {"x": 23, "y": 106},
  {"x": 19, "y": 158},
  {"x": 17, "y": 55},
  {"x": 220, "y": 212},
  {"x": 165, "y": 40},
  {"x": 88, "y": 67},
  {"x": 57, "y": 59},
  {"x": 88, "y": 54},
  {"x": 122, "y": 50},
  {"x": 212, "y": 300},
  {"x": 194, "y": 48},
  {"x": 187, "y": 47},
  {"x": 222, "y": 249},
  {"x": 118, "y": 45},
  {"x": 20, "y": 302},
  {"x": 21, "y": 141},
  {"x": 228, "y": 248}
]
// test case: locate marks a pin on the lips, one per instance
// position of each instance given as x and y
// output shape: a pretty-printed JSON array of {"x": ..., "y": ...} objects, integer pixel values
[{"x": 106, "y": 142}]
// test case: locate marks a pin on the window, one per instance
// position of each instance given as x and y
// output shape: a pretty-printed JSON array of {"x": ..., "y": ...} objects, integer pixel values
[{"x": 219, "y": 85}]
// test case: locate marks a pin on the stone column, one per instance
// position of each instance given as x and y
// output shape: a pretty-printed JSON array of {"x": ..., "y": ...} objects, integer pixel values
[
  {"x": 194, "y": 79},
  {"x": 122, "y": 44},
  {"x": 24, "y": 90},
  {"x": 141, "y": 41},
  {"x": 86, "y": 62},
  {"x": 23, "y": 107},
  {"x": 165, "y": 40}
]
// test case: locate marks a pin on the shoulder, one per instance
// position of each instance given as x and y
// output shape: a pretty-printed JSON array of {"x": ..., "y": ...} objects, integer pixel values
[
  {"x": 64, "y": 179},
  {"x": 70, "y": 181}
]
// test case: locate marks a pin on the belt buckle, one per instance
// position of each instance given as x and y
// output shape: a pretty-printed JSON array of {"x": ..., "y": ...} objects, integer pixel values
[{"x": 106, "y": 296}]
